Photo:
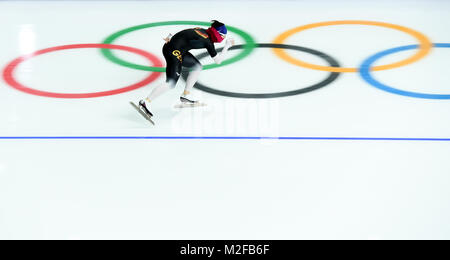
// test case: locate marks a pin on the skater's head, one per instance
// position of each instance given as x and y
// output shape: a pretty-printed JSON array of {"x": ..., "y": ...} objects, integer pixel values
[
  {"x": 220, "y": 27},
  {"x": 217, "y": 31}
]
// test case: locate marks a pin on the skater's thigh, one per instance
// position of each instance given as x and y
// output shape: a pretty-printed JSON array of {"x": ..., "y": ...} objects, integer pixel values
[
  {"x": 173, "y": 70},
  {"x": 173, "y": 67}
]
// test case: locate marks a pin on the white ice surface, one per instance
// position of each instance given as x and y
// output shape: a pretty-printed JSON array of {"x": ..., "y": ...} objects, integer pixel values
[{"x": 225, "y": 189}]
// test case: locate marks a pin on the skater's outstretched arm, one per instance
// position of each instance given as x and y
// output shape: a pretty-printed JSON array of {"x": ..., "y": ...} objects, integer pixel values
[{"x": 221, "y": 56}]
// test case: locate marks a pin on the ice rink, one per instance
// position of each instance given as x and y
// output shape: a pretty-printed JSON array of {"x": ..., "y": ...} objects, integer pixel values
[{"x": 329, "y": 120}]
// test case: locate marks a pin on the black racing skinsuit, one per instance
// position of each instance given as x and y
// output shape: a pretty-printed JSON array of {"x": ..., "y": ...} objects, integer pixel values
[{"x": 177, "y": 55}]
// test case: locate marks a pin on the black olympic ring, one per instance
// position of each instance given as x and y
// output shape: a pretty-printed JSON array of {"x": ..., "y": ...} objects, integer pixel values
[{"x": 332, "y": 77}]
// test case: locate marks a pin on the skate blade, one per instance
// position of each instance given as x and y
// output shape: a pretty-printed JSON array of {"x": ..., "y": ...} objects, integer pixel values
[
  {"x": 184, "y": 105},
  {"x": 142, "y": 113}
]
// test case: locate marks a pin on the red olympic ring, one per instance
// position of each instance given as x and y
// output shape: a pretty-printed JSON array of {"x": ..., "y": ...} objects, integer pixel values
[{"x": 9, "y": 71}]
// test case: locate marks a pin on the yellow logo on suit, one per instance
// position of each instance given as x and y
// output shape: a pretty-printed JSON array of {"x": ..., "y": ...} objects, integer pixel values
[{"x": 177, "y": 54}]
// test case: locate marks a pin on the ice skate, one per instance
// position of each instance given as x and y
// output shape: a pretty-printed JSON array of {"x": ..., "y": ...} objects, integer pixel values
[
  {"x": 143, "y": 109},
  {"x": 188, "y": 100}
]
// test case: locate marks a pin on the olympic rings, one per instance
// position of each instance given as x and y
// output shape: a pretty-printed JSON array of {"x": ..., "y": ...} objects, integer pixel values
[
  {"x": 425, "y": 45},
  {"x": 332, "y": 77},
  {"x": 365, "y": 73},
  {"x": 249, "y": 46},
  {"x": 423, "y": 49},
  {"x": 9, "y": 71}
]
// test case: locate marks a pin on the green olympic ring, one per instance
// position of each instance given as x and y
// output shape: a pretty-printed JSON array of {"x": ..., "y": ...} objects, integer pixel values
[{"x": 249, "y": 45}]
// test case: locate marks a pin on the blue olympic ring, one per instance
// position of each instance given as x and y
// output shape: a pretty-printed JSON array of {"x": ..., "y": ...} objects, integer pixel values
[{"x": 364, "y": 71}]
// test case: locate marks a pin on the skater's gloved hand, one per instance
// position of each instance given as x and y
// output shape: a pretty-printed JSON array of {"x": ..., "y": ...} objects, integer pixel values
[
  {"x": 219, "y": 57},
  {"x": 229, "y": 42}
]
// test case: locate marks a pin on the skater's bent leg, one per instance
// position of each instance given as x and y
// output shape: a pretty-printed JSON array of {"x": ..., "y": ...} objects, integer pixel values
[
  {"x": 173, "y": 70},
  {"x": 172, "y": 75},
  {"x": 195, "y": 67},
  {"x": 192, "y": 79},
  {"x": 160, "y": 89}
]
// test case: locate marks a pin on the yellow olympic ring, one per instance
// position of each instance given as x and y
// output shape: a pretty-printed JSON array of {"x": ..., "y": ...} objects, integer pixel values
[{"x": 424, "y": 47}]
